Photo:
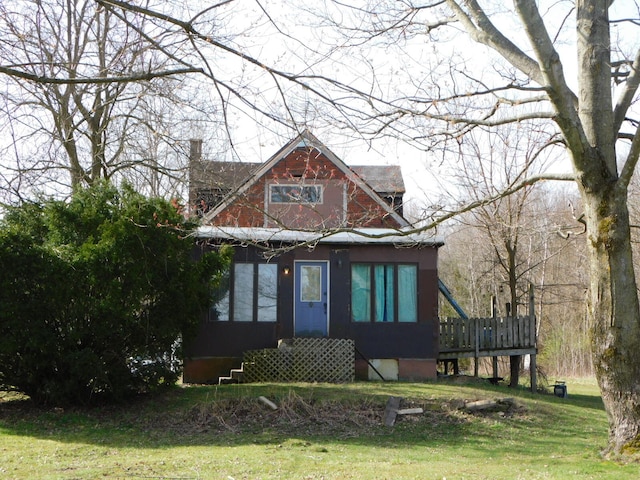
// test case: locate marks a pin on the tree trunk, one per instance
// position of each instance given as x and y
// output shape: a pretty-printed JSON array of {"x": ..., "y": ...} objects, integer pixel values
[
  {"x": 614, "y": 313},
  {"x": 613, "y": 298}
]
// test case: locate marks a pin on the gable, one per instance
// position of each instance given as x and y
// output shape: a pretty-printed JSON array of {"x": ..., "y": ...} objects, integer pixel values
[{"x": 305, "y": 186}]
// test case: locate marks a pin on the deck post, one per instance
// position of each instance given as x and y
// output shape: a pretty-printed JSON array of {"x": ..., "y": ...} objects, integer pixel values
[
  {"x": 494, "y": 315},
  {"x": 477, "y": 350},
  {"x": 533, "y": 373},
  {"x": 532, "y": 318}
]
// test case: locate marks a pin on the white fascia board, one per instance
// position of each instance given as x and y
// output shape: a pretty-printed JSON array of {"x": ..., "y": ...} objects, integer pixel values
[{"x": 359, "y": 236}]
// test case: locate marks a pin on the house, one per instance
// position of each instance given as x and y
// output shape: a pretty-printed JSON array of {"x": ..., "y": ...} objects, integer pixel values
[{"x": 322, "y": 250}]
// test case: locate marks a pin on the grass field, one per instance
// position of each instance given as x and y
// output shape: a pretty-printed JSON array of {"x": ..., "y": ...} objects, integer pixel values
[{"x": 319, "y": 431}]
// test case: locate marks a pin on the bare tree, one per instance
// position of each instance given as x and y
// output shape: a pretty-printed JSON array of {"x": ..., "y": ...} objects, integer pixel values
[
  {"x": 519, "y": 76},
  {"x": 488, "y": 164},
  {"x": 550, "y": 256},
  {"x": 76, "y": 100}
]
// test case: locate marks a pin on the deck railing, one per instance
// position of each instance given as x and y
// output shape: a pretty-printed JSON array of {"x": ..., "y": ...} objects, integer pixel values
[{"x": 478, "y": 337}]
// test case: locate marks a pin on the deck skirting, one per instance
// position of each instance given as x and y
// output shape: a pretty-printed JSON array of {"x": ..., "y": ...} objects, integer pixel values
[{"x": 302, "y": 360}]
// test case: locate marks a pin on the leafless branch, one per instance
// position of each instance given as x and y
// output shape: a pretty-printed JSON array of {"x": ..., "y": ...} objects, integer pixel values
[
  {"x": 96, "y": 80},
  {"x": 626, "y": 97}
]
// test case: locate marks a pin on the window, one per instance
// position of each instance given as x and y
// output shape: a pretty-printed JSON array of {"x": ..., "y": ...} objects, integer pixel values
[
  {"x": 220, "y": 309},
  {"x": 310, "y": 283},
  {"x": 267, "y": 292},
  {"x": 295, "y": 193},
  {"x": 384, "y": 292},
  {"x": 251, "y": 295},
  {"x": 243, "y": 292}
]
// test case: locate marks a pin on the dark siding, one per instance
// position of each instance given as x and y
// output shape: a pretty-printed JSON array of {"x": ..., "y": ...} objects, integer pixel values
[
  {"x": 231, "y": 339},
  {"x": 340, "y": 293},
  {"x": 285, "y": 297},
  {"x": 374, "y": 340},
  {"x": 395, "y": 340}
]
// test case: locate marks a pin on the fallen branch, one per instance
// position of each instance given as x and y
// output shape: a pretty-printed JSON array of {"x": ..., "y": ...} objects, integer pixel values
[
  {"x": 268, "y": 403},
  {"x": 410, "y": 411}
]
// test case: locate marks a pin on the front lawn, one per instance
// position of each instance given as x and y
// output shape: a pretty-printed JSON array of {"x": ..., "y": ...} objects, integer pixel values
[{"x": 319, "y": 431}]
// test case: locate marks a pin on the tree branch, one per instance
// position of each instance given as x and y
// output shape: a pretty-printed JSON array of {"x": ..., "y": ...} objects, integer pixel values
[
  {"x": 485, "y": 32},
  {"x": 95, "y": 80},
  {"x": 626, "y": 97},
  {"x": 561, "y": 96},
  {"x": 632, "y": 160}
]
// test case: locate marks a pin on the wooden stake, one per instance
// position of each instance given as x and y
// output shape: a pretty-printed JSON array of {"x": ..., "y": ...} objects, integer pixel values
[{"x": 391, "y": 411}]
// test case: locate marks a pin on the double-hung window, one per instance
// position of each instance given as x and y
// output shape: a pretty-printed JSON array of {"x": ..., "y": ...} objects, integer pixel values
[
  {"x": 247, "y": 293},
  {"x": 384, "y": 292}
]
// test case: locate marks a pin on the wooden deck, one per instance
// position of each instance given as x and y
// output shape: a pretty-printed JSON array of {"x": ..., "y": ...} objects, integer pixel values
[{"x": 487, "y": 337}]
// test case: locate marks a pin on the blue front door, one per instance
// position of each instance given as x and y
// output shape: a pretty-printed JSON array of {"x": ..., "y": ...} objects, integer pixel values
[{"x": 311, "y": 300}]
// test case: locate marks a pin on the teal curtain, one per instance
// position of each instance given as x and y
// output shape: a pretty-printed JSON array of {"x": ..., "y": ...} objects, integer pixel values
[
  {"x": 360, "y": 293},
  {"x": 407, "y": 293},
  {"x": 384, "y": 300}
]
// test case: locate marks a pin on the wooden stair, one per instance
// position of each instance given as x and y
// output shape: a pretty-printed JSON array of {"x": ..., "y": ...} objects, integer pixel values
[{"x": 236, "y": 375}]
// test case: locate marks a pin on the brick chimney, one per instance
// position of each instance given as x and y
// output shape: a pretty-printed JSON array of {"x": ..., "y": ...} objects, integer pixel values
[{"x": 195, "y": 149}]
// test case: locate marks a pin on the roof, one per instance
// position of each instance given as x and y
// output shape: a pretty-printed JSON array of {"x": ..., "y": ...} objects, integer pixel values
[
  {"x": 382, "y": 178},
  {"x": 306, "y": 140},
  {"x": 360, "y": 236},
  {"x": 219, "y": 174}
]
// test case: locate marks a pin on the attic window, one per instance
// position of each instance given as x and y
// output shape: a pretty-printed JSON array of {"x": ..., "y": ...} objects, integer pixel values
[{"x": 295, "y": 193}]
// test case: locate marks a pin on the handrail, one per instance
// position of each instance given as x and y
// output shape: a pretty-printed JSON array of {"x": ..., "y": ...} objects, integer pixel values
[{"x": 481, "y": 334}]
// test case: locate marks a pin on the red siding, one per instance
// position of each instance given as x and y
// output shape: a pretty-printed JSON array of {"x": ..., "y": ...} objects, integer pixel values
[{"x": 309, "y": 167}]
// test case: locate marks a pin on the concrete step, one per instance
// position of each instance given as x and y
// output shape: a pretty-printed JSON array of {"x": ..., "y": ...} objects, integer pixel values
[
  {"x": 236, "y": 375},
  {"x": 226, "y": 381}
]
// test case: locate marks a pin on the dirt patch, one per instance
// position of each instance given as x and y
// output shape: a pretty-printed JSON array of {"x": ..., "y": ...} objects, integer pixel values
[{"x": 296, "y": 414}]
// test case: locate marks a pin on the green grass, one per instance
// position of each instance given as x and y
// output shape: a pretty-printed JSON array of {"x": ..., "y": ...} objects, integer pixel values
[{"x": 319, "y": 432}]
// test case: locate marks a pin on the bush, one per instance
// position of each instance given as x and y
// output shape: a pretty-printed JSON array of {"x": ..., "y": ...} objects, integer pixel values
[{"x": 95, "y": 295}]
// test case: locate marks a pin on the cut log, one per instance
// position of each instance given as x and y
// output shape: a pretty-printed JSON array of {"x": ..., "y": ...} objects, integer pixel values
[{"x": 502, "y": 404}]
